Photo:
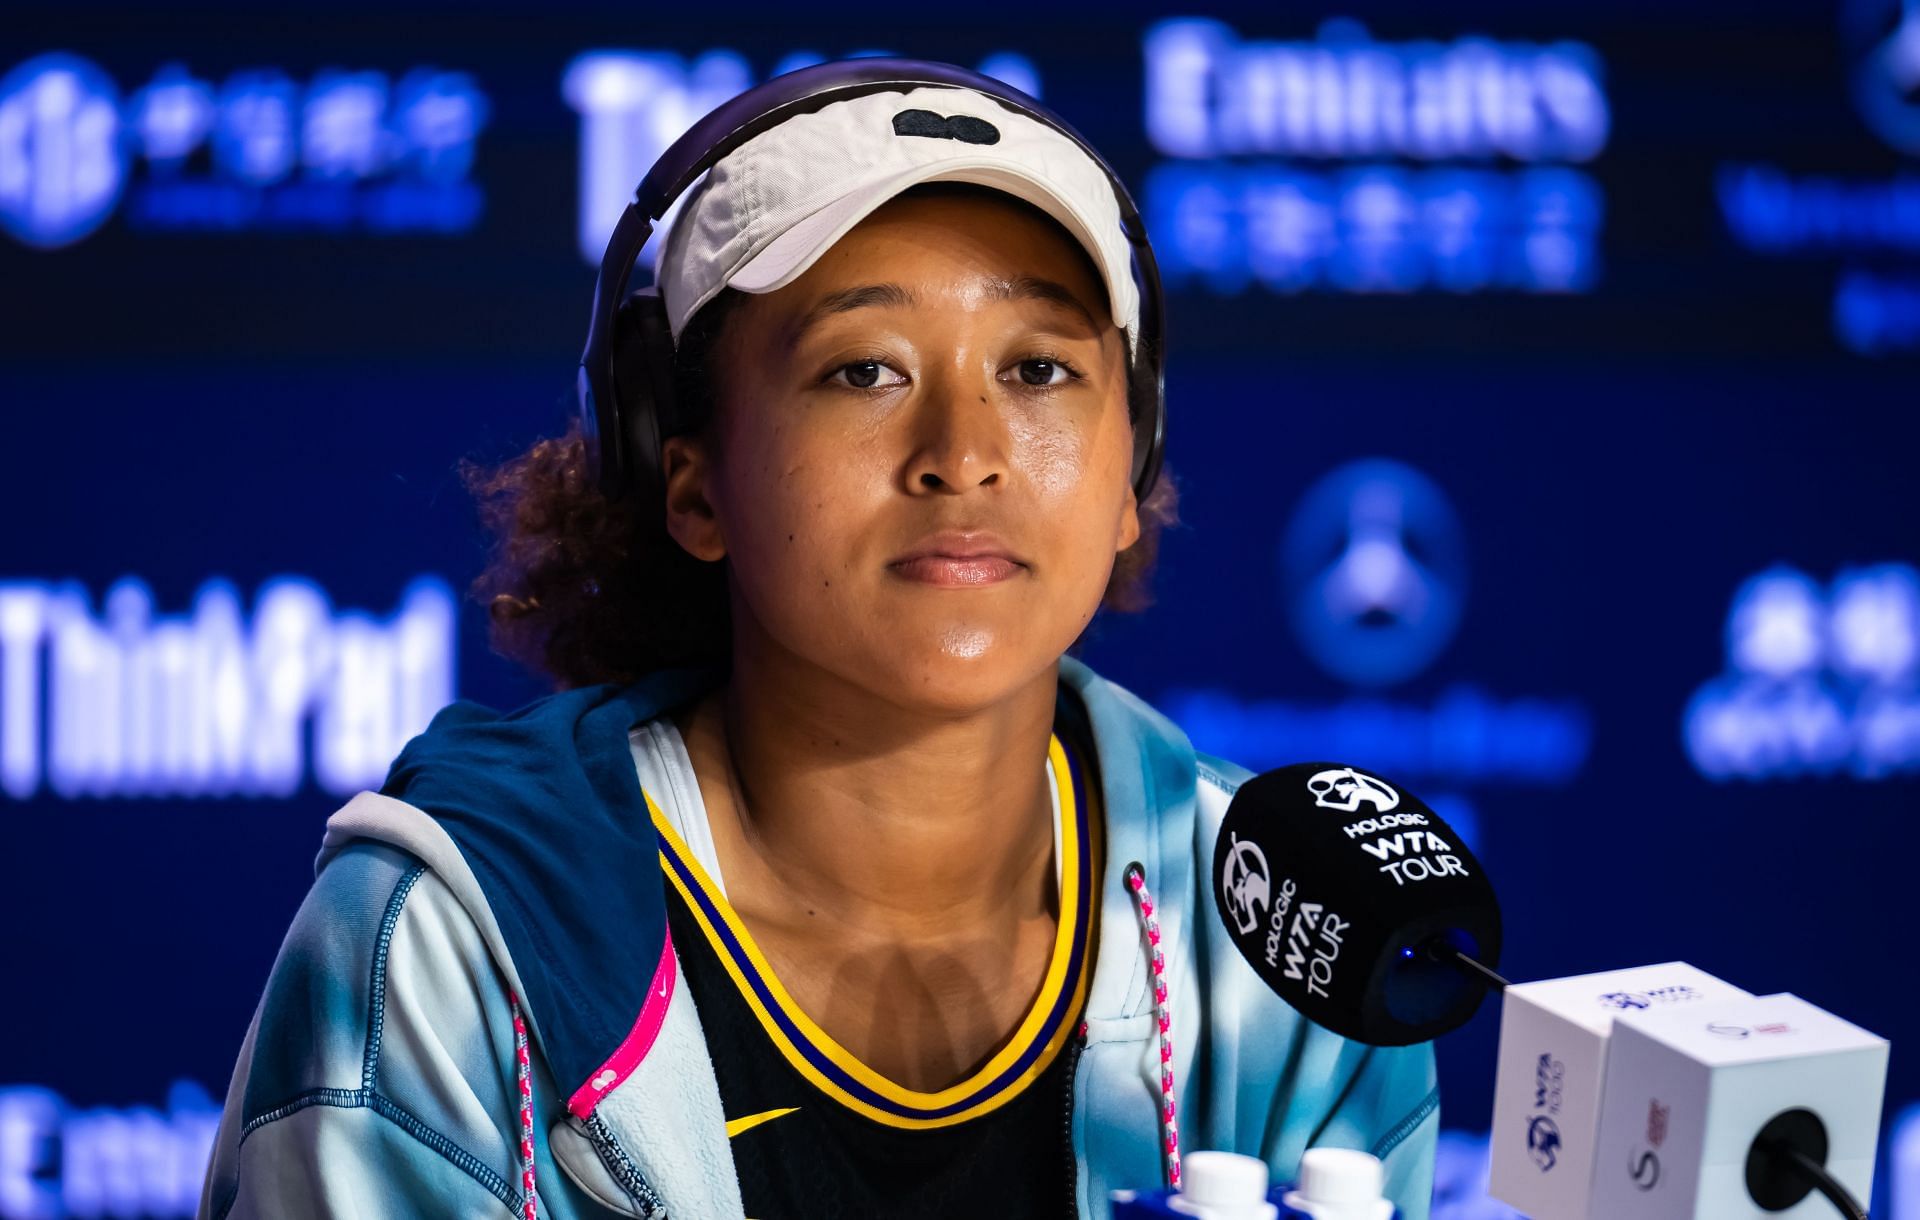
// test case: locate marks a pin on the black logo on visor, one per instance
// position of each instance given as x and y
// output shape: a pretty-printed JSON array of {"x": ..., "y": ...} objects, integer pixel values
[{"x": 962, "y": 127}]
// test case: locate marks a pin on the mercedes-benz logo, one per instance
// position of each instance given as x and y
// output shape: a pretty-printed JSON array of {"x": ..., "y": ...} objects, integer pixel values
[
  {"x": 1883, "y": 44},
  {"x": 1375, "y": 572}
]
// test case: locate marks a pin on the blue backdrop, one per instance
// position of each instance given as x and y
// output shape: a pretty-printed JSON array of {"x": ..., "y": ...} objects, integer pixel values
[{"x": 1542, "y": 395}]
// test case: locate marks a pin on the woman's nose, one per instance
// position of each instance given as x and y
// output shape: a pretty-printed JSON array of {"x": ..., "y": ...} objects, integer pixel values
[{"x": 959, "y": 440}]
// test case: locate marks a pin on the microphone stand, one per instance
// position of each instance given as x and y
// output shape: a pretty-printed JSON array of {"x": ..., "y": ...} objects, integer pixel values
[{"x": 1440, "y": 949}]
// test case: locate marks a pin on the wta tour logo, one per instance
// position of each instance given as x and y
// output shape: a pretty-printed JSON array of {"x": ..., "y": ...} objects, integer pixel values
[
  {"x": 1543, "y": 1133},
  {"x": 1345, "y": 789},
  {"x": 1543, "y": 1142},
  {"x": 1246, "y": 884}
]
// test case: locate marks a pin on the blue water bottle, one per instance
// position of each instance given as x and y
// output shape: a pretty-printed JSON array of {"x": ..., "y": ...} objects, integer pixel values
[{"x": 1335, "y": 1184}]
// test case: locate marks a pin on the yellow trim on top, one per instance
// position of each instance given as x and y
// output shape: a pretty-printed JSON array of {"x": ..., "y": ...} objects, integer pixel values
[
  {"x": 823, "y": 1042},
  {"x": 748, "y": 1122}
]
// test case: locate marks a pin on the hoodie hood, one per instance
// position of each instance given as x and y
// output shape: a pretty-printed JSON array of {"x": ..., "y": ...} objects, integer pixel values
[{"x": 545, "y": 806}]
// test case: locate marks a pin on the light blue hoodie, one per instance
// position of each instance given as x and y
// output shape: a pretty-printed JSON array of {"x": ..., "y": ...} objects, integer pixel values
[{"x": 508, "y": 875}]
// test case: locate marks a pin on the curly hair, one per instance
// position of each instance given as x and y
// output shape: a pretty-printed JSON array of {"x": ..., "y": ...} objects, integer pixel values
[{"x": 584, "y": 589}]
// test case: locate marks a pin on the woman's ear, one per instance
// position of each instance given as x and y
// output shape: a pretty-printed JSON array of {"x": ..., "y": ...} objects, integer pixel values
[
  {"x": 687, "y": 469},
  {"x": 1129, "y": 520}
]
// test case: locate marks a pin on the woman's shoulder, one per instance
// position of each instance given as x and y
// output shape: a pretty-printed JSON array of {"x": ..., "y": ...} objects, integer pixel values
[
  {"x": 378, "y": 947},
  {"x": 376, "y": 918},
  {"x": 381, "y": 1054},
  {"x": 345, "y": 922}
]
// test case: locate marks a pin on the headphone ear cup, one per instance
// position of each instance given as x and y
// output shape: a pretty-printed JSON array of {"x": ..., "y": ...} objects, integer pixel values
[
  {"x": 1147, "y": 408},
  {"x": 643, "y": 392}
]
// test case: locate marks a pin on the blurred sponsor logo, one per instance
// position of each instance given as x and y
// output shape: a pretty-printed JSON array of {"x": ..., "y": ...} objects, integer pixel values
[
  {"x": 62, "y": 1162},
  {"x": 1818, "y": 681},
  {"x": 209, "y": 703},
  {"x": 1873, "y": 223},
  {"x": 1374, "y": 579},
  {"x": 1374, "y": 572},
  {"x": 634, "y": 104},
  {"x": 1883, "y": 41},
  {"x": 346, "y": 150},
  {"x": 1211, "y": 93},
  {"x": 1276, "y": 219}
]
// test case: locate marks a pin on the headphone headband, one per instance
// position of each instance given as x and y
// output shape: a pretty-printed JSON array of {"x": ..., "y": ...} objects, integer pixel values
[{"x": 622, "y": 422}]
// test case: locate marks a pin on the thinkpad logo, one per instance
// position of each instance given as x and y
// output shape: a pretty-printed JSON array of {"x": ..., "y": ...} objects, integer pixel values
[{"x": 963, "y": 127}]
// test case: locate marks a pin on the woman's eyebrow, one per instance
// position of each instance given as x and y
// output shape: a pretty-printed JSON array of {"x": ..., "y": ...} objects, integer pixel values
[
  {"x": 1033, "y": 287},
  {"x": 1025, "y": 287},
  {"x": 848, "y": 299}
]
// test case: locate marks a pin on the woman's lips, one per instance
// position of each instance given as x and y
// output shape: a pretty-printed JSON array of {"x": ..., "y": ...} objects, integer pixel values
[
  {"x": 955, "y": 571},
  {"x": 958, "y": 558}
]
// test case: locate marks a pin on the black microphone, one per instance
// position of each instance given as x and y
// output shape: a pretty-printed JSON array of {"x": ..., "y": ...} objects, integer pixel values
[{"x": 1356, "y": 903}]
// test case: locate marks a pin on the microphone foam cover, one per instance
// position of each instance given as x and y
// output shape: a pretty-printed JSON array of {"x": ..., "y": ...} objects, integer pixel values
[{"x": 1333, "y": 883}]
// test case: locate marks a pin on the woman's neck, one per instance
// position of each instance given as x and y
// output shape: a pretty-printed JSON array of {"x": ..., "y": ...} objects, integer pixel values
[
  {"x": 885, "y": 816},
  {"x": 894, "y": 867}
]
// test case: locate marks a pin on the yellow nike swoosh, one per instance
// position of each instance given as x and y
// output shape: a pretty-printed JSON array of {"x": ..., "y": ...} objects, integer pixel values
[{"x": 736, "y": 1125}]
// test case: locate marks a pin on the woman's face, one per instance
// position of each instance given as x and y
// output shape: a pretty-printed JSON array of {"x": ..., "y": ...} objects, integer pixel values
[{"x": 920, "y": 460}]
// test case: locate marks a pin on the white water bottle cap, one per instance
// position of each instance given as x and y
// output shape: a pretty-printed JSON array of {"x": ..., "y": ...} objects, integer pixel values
[
  {"x": 1223, "y": 1186},
  {"x": 1340, "y": 1177},
  {"x": 1223, "y": 1177}
]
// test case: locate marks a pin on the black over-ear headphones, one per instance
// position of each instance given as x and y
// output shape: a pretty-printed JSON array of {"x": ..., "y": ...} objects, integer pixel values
[{"x": 625, "y": 384}]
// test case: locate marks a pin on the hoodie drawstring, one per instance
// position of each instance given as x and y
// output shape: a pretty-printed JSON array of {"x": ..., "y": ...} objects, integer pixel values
[
  {"x": 1136, "y": 876},
  {"x": 523, "y": 1068}
]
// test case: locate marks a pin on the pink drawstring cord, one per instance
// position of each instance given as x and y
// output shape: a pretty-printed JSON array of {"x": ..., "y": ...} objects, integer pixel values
[
  {"x": 523, "y": 1068},
  {"x": 1169, "y": 1126}
]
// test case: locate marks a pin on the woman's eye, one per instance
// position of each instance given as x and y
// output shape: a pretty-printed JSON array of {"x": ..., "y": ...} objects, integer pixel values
[
  {"x": 861, "y": 374},
  {"x": 1044, "y": 372}
]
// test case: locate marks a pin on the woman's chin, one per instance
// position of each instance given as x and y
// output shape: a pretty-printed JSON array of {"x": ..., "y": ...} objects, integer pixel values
[{"x": 961, "y": 669}]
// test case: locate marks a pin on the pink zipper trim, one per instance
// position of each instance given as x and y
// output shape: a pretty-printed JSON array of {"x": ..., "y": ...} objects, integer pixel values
[{"x": 639, "y": 1039}]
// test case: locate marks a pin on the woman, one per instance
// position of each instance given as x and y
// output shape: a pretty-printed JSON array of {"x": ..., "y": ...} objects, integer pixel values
[{"x": 825, "y": 885}]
